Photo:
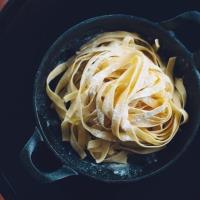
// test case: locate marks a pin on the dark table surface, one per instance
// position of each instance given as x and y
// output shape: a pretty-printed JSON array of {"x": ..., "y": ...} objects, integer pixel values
[{"x": 27, "y": 29}]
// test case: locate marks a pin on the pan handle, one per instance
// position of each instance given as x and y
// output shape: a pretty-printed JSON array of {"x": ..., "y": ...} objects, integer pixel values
[
  {"x": 44, "y": 177},
  {"x": 181, "y": 21}
]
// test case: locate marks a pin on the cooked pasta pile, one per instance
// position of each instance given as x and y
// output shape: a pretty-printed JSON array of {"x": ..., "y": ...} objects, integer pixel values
[{"x": 115, "y": 96}]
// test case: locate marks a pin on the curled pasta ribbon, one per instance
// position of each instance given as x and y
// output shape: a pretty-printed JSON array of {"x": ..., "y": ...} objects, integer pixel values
[{"x": 115, "y": 96}]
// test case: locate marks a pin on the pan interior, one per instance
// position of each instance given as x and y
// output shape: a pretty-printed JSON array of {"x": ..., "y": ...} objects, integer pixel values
[{"x": 138, "y": 166}]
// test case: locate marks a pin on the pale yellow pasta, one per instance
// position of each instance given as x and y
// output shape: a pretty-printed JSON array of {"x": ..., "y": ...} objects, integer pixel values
[{"x": 121, "y": 98}]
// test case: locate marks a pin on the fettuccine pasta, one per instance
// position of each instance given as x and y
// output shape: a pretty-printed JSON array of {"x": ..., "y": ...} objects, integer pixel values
[{"x": 116, "y": 96}]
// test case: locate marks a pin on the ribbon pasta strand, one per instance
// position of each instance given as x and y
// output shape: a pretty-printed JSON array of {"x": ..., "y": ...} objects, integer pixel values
[{"x": 115, "y": 96}]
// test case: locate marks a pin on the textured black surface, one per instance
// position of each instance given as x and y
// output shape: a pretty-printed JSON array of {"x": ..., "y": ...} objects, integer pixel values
[{"x": 25, "y": 39}]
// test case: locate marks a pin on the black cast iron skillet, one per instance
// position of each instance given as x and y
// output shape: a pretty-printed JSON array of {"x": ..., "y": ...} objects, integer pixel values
[{"x": 48, "y": 125}]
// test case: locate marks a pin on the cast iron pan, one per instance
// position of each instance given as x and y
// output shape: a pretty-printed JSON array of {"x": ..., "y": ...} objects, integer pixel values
[{"x": 48, "y": 125}]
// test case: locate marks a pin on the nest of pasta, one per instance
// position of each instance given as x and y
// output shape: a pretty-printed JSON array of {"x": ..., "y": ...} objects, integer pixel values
[{"x": 116, "y": 96}]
